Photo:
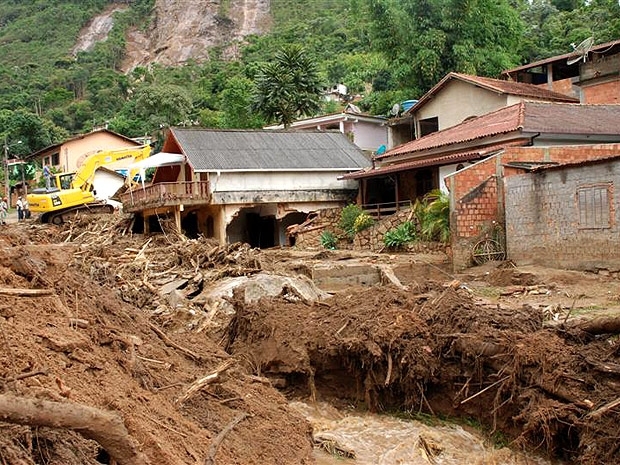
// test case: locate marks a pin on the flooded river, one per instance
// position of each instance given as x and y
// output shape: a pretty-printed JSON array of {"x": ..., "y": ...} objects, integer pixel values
[{"x": 386, "y": 440}]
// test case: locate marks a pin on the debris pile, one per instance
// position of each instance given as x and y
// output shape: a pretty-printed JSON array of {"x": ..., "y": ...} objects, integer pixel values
[
  {"x": 86, "y": 378},
  {"x": 434, "y": 350}
]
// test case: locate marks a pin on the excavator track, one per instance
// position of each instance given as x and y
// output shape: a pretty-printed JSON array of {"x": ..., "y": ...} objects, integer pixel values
[{"x": 61, "y": 216}]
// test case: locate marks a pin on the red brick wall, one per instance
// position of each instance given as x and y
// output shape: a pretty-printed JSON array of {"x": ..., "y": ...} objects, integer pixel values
[
  {"x": 606, "y": 92},
  {"x": 476, "y": 193}
]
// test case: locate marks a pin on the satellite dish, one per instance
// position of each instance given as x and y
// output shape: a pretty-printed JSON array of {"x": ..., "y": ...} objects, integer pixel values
[
  {"x": 580, "y": 52},
  {"x": 395, "y": 109}
]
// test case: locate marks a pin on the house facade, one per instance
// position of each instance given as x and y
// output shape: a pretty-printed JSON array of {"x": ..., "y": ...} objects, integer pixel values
[
  {"x": 411, "y": 170},
  {"x": 482, "y": 194},
  {"x": 69, "y": 155},
  {"x": 553, "y": 210},
  {"x": 459, "y": 97},
  {"x": 367, "y": 132},
  {"x": 248, "y": 186}
]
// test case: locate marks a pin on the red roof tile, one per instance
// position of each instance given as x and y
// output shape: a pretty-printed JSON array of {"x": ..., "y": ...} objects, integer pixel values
[
  {"x": 533, "y": 117},
  {"x": 495, "y": 85},
  {"x": 432, "y": 161}
]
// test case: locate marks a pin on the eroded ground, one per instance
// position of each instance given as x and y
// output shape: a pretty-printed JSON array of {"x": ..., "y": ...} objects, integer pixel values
[{"x": 134, "y": 325}]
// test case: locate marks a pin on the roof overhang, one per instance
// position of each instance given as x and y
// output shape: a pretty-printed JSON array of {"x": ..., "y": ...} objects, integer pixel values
[{"x": 159, "y": 159}]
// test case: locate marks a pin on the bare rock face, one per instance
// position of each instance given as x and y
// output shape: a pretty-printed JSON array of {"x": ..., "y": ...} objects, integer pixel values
[{"x": 180, "y": 30}]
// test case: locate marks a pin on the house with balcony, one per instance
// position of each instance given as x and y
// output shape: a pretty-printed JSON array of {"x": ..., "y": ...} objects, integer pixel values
[
  {"x": 241, "y": 185},
  {"x": 409, "y": 171}
]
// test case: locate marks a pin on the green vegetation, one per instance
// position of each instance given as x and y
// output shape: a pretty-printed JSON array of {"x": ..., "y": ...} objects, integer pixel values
[
  {"x": 385, "y": 51},
  {"x": 288, "y": 87},
  {"x": 328, "y": 240},
  {"x": 433, "y": 213},
  {"x": 348, "y": 215},
  {"x": 400, "y": 236}
]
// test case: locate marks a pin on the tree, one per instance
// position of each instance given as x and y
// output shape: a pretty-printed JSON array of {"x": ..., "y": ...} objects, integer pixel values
[
  {"x": 236, "y": 100},
  {"x": 165, "y": 104},
  {"x": 288, "y": 87}
]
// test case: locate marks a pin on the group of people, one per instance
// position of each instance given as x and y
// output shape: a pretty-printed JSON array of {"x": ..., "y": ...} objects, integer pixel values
[{"x": 23, "y": 209}]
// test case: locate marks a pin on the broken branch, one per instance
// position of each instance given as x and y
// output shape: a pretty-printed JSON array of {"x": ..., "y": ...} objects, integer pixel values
[
  {"x": 202, "y": 382},
  {"x": 106, "y": 428},
  {"x": 26, "y": 292},
  {"x": 215, "y": 445},
  {"x": 173, "y": 344}
]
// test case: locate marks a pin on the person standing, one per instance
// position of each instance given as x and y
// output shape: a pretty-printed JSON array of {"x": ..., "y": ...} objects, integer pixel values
[
  {"x": 47, "y": 174},
  {"x": 26, "y": 207},
  {"x": 4, "y": 210},
  {"x": 20, "y": 209}
]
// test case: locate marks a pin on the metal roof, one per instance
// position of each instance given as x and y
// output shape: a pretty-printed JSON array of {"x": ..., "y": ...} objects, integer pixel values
[{"x": 246, "y": 150}]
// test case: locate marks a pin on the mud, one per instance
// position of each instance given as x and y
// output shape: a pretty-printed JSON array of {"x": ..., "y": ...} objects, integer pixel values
[{"x": 129, "y": 324}]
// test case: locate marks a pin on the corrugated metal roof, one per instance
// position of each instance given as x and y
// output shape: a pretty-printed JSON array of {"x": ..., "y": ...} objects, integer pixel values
[
  {"x": 225, "y": 150},
  {"x": 532, "y": 117}
]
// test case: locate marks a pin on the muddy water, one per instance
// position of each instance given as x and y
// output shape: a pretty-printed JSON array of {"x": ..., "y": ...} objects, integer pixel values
[{"x": 385, "y": 440}]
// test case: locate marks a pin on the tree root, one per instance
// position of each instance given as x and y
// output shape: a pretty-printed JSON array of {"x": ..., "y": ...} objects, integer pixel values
[{"x": 106, "y": 428}]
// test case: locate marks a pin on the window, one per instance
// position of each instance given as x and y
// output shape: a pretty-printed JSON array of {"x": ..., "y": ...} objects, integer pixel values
[
  {"x": 593, "y": 206},
  {"x": 55, "y": 159},
  {"x": 428, "y": 126}
]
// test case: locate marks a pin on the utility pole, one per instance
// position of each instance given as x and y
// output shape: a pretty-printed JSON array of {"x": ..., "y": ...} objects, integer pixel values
[{"x": 6, "y": 167}]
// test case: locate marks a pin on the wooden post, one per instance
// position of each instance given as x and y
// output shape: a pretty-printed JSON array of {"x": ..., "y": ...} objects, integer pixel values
[{"x": 177, "y": 217}]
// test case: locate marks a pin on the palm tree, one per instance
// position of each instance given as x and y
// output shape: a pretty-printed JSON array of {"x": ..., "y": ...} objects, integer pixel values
[
  {"x": 434, "y": 216},
  {"x": 288, "y": 87}
]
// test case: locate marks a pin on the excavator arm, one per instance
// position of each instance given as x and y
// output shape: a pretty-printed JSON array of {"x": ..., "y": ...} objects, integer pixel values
[{"x": 85, "y": 175}]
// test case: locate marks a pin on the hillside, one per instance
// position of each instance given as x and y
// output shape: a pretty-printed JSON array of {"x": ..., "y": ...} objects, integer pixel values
[{"x": 138, "y": 66}]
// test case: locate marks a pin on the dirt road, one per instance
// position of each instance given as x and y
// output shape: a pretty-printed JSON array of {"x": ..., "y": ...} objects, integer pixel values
[{"x": 91, "y": 316}]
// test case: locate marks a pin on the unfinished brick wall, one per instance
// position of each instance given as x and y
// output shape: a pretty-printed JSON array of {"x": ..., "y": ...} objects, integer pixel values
[
  {"x": 475, "y": 189},
  {"x": 565, "y": 217},
  {"x": 607, "y": 92}
]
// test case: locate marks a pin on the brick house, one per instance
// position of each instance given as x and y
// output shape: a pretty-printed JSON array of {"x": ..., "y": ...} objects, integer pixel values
[
  {"x": 595, "y": 78},
  {"x": 411, "y": 170},
  {"x": 486, "y": 203}
]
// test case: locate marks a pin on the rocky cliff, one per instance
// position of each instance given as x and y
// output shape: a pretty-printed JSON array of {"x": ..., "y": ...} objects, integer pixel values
[{"x": 180, "y": 30}]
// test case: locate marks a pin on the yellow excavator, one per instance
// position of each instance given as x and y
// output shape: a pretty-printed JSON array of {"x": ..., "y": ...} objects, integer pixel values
[{"x": 72, "y": 192}]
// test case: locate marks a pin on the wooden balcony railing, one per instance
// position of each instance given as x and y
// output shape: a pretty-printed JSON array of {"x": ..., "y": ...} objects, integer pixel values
[
  {"x": 381, "y": 210},
  {"x": 166, "y": 193}
]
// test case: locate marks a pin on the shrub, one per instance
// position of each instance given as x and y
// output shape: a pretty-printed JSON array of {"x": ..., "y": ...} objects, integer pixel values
[
  {"x": 397, "y": 237},
  {"x": 363, "y": 221},
  {"x": 328, "y": 240},
  {"x": 347, "y": 219}
]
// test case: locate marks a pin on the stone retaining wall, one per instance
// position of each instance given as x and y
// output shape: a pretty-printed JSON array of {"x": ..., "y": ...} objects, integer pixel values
[{"x": 369, "y": 239}]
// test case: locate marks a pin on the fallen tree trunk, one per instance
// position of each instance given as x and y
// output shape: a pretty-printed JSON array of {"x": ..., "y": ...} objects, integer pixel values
[
  {"x": 600, "y": 325},
  {"x": 106, "y": 428}
]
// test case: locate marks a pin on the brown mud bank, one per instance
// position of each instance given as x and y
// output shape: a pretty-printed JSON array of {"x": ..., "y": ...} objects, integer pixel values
[{"x": 433, "y": 349}]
